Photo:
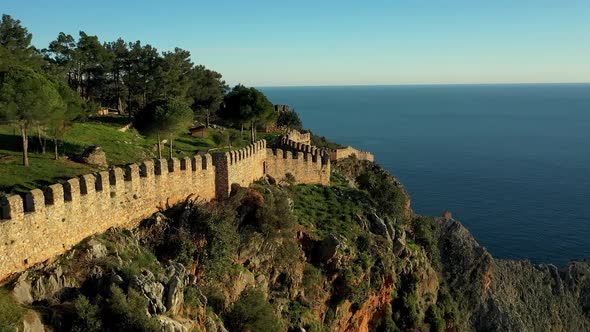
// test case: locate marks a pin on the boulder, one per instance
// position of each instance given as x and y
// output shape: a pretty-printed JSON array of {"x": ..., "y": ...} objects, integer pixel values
[
  {"x": 31, "y": 287},
  {"x": 93, "y": 155},
  {"x": 331, "y": 251},
  {"x": 328, "y": 248},
  {"x": 175, "y": 288},
  {"x": 378, "y": 226},
  {"x": 96, "y": 249},
  {"x": 398, "y": 246},
  {"x": 171, "y": 325},
  {"x": 32, "y": 322},
  {"x": 146, "y": 285}
]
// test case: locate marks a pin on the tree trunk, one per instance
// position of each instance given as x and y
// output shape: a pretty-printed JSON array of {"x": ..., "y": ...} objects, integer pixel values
[
  {"x": 41, "y": 141},
  {"x": 253, "y": 132},
  {"x": 170, "y": 148},
  {"x": 23, "y": 130},
  {"x": 56, "y": 156},
  {"x": 242, "y": 131},
  {"x": 159, "y": 147},
  {"x": 207, "y": 118}
]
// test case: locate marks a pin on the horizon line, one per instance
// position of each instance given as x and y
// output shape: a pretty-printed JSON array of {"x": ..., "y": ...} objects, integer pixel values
[{"x": 416, "y": 84}]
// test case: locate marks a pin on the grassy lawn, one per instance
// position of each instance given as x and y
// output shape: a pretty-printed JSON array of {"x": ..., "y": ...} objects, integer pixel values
[
  {"x": 330, "y": 210},
  {"x": 120, "y": 147}
]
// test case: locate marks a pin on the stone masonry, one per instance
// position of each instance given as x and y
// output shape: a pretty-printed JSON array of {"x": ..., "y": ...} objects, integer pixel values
[{"x": 45, "y": 224}]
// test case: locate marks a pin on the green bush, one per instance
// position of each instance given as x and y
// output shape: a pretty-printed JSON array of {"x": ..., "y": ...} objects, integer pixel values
[
  {"x": 435, "y": 319},
  {"x": 313, "y": 283},
  {"x": 388, "y": 197},
  {"x": 215, "y": 299},
  {"x": 275, "y": 215},
  {"x": 88, "y": 316},
  {"x": 129, "y": 312},
  {"x": 251, "y": 312},
  {"x": 323, "y": 142},
  {"x": 407, "y": 311},
  {"x": 387, "y": 324},
  {"x": 425, "y": 230},
  {"x": 289, "y": 119}
]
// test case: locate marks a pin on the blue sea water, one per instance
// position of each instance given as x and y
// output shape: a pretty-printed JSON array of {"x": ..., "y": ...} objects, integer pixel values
[{"x": 512, "y": 162}]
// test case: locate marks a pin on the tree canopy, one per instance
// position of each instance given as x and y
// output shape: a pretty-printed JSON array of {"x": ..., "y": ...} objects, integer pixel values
[
  {"x": 207, "y": 91},
  {"x": 164, "y": 118},
  {"x": 248, "y": 105},
  {"x": 289, "y": 119},
  {"x": 15, "y": 44},
  {"x": 27, "y": 98},
  {"x": 130, "y": 75}
]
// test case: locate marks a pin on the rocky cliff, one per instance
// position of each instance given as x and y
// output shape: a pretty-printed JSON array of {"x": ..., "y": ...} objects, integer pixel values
[{"x": 351, "y": 256}]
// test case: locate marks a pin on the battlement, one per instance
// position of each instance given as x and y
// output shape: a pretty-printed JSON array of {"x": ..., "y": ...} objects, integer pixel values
[
  {"x": 299, "y": 137},
  {"x": 287, "y": 144},
  {"x": 242, "y": 166},
  {"x": 349, "y": 151},
  {"x": 303, "y": 166},
  {"x": 116, "y": 182},
  {"x": 46, "y": 223}
]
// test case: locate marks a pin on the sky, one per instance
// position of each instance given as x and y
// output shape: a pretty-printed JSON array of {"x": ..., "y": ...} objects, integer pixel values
[{"x": 325, "y": 42}]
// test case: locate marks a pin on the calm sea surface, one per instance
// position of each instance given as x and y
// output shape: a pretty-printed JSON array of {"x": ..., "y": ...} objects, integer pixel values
[{"x": 512, "y": 162}]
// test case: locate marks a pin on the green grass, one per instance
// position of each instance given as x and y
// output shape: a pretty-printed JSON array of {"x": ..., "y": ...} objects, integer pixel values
[
  {"x": 11, "y": 314},
  {"x": 330, "y": 210},
  {"x": 121, "y": 148}
]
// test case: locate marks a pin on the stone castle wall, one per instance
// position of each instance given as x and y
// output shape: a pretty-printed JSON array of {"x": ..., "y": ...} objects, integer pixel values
[
  {"x": 304, "y": 167},
  {"x": 296, "y": 141},
  {"x": 47, "y": 223},
  {"x": 349, "y": 151},
  {"x": 242, "y": 167},
  {"x": 299, "y": 137}
]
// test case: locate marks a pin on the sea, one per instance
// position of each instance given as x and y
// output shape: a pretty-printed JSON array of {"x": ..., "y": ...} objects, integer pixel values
[{"x": 510, "y": 161}]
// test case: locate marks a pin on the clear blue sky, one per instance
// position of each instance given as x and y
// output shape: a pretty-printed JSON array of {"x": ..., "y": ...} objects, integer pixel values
[{"x": 302, "y": 42}]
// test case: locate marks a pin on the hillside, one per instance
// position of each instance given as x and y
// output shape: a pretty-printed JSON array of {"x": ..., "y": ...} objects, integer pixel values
[
  {"x": 351, "y": 256},
  {"x": 121, "y": 148}
]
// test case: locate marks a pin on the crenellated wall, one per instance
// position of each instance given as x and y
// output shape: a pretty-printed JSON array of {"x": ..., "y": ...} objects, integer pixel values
[
  {"x": 304, "y": 166},
  {"x": 288, "y": 144},
  {"x": 241, "y": 166},
  {"x": 349, "y": 151},
  {"x": 299, "y": 137},
  {"x": 297, "y": 141},
  {"x": 47, "y": 223}
]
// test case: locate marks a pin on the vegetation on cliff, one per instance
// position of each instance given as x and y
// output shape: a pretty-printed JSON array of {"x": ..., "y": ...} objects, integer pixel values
[
  {"x": 308, "y": 256},
  {"x": 282, "y": 257}
]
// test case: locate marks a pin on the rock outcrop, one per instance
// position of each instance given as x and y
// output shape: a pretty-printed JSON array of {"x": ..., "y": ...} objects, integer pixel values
[
  {"x": 93, "y": 155},
  {"x": 505, "y": 295}
]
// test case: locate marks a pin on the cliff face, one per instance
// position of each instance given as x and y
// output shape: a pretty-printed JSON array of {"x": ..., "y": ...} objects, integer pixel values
[
  {"x": 347, "y": 257},
  {"x": 504, "y": 295}
]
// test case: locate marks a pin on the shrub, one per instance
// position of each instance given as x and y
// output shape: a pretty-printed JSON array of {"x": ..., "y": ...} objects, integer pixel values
[
  {"x": 435, "y": 319},
  {"x": 387, "y": 324},
  {"x": 323, "y": 142},
  {"x": 289, "y": 119},
  {"x": 129, "y": 312},
  {"x": 425, "y": 229},
  {"x": 389, "y": 198},
  {"x": 313, "y": 283},
  {"x": 251, "y": 312},
  {"x": 290, "y": 178},
  {"x": 407, "y": 311},
  {"x": 215, "y": 299},
  {"x": 275, "y": 215},
  {"x": 88, "y": 316}
]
